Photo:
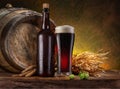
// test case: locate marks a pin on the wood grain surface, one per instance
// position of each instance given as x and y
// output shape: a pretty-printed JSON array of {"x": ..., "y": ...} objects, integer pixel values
[
  {"x": 18, "y": 33},
  {"x": 108, "y": 79}
]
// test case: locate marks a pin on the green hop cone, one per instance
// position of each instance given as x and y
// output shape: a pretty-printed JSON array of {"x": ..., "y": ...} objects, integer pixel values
[
  {"x": 86, "y": 75},
  {"x": 72, "y": 76},
  {"x": 83, "y": 75}
]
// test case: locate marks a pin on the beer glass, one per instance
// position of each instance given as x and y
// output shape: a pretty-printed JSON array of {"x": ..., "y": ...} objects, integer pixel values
[{"x": 65, "y": 41}]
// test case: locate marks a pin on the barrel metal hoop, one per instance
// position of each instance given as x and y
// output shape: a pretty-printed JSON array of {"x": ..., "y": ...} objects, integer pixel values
[
  {"x": 10, "y": 22},
  {"x": 8, "y": 18},
  {"x": 4, "y": 12},
  {"x": 11, "y": 25}
]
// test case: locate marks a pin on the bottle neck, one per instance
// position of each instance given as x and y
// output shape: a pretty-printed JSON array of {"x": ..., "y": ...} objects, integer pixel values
[{"x": 45, "y": 19}]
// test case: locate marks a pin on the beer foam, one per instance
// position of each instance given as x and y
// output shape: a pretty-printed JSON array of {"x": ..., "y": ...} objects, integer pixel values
[{"x": 64, "y": 29}]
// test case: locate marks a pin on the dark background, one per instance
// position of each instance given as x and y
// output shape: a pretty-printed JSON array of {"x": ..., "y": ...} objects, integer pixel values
[{"x": 96, "y": 22}]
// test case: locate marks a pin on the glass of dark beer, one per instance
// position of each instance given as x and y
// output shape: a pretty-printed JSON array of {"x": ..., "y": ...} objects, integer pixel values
[{"x": 65, "y": 40}]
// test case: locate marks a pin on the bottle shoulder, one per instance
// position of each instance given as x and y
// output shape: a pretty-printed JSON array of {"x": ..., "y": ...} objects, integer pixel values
[{"x": 46, "y": 32}]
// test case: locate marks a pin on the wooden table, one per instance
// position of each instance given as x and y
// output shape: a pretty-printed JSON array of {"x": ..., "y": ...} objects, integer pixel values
[{"x": 109, "y": 79}]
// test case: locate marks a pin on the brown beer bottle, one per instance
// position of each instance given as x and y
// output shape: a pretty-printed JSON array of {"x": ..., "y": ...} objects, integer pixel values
[{"x": 46, "y": 45}]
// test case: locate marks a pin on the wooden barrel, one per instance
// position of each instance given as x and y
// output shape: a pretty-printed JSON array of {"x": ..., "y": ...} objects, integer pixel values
[{"x": 18, "y": 33}]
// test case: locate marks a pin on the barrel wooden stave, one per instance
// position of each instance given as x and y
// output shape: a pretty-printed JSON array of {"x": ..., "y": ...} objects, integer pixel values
[
  {"x": 3, "y": 63},
  {"x": 18, "y": 34}
]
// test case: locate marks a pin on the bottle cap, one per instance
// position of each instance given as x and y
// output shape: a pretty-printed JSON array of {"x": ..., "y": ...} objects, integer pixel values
[{"x": 45, "y": 5}]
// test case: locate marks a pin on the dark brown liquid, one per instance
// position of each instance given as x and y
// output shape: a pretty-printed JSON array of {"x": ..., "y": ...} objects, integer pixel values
[
  {"x": 46, "y": 44},
  {"x": 65, "y": 42}
]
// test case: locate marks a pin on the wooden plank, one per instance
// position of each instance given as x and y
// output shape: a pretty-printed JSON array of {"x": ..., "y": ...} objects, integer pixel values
[
  {"x": 109, "y": 79},
  {"x": 48, "y": 83}
]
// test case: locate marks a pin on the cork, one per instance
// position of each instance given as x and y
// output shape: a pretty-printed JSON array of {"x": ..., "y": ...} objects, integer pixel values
[{"x": 45, "y": 5}]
